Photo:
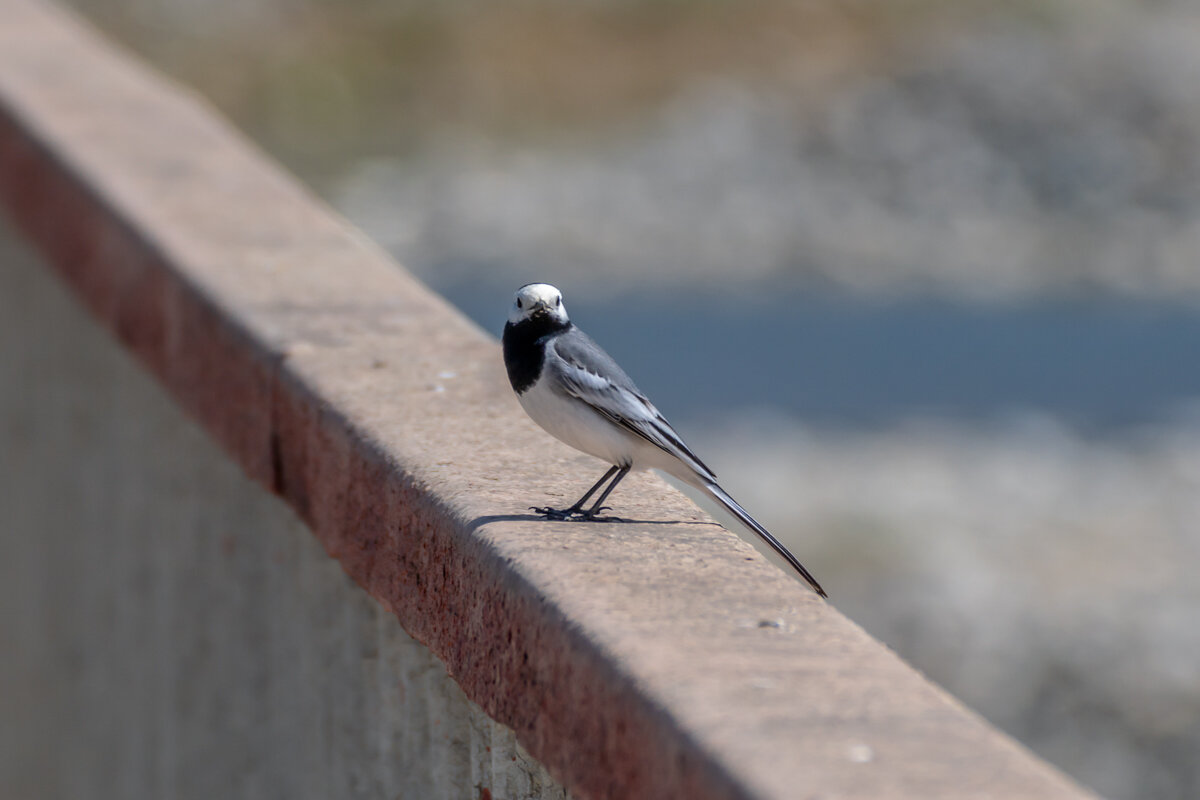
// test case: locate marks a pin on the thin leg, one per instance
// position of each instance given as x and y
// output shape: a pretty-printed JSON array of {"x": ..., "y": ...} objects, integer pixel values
[
  {"x": 596, "y": 509},
  {"x": 556, "y": 513}
]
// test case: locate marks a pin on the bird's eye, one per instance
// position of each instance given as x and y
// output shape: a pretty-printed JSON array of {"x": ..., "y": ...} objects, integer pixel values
[
  {"x": 557, "y": 302},
  {"x": 518, "y": 302}
]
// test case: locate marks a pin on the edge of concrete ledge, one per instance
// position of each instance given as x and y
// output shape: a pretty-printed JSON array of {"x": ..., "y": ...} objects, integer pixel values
[{"x": 631, "y": 659}]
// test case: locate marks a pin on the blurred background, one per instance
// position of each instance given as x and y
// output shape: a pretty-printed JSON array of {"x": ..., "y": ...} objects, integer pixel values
[{"x": 920, "y": 281}]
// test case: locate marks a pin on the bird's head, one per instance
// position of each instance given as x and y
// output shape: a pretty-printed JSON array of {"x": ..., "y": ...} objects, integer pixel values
[{"x": 536, "y": 301}]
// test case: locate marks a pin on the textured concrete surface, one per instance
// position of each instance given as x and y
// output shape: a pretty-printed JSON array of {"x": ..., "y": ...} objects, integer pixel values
[
  {"x": 169, "y": 629},
  {"x": 659, "y": 657}
]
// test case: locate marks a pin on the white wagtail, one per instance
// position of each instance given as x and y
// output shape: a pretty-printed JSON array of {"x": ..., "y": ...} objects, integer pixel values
[{"x": 575, "y": 390}]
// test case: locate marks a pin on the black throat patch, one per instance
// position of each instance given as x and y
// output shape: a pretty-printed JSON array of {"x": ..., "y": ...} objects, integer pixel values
[{"x": 525, "y": 348}]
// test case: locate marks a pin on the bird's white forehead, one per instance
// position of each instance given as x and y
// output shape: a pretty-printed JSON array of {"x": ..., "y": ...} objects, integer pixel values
[{"x": 533, "y": 292}]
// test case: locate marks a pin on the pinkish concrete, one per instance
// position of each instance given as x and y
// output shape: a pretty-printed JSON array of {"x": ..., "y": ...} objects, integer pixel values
[{"x": 662, "y": 657}]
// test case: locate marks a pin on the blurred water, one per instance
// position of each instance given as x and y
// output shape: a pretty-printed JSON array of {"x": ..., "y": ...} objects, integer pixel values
[{"x": 835, "y": 359}]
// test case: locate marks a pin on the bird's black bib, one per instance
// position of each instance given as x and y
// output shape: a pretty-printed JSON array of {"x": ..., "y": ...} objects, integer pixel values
[{"x": 525, "y": 348}]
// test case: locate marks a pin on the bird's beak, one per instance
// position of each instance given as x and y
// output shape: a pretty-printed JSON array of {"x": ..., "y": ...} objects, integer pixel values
[{"x": 540, "y": 307}]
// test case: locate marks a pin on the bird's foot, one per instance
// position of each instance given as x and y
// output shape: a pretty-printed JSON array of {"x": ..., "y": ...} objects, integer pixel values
[
  {"x": 574, "y": 514},
  {"x": 558, "y": 514}
]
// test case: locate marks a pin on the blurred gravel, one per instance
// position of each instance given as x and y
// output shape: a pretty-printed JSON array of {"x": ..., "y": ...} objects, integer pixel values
[{"x": 1002, "y": 161}]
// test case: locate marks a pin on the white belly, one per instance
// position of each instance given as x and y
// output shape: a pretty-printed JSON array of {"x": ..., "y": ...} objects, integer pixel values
[{"x": 570, "y": 421}]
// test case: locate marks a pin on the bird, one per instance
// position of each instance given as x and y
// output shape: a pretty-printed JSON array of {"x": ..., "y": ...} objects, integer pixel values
[{"x": 575, "y": 391}]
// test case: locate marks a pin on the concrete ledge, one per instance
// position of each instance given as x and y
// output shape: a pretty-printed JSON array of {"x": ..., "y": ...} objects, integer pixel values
[
  {"x": 170, "y": 630},
  {"x": 662, "y": 657}
]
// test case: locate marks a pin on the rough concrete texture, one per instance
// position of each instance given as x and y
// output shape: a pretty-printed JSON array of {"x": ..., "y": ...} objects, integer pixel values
[
  {"x": 659, "y": 657},
  {"x": 171, "y": 630}
]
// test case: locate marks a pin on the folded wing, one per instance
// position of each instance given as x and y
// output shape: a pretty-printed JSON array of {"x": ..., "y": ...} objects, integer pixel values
[{"x": 589, "y": 374}]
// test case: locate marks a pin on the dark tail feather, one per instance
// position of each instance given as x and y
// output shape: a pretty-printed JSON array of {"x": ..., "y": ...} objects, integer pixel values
[{"x": 731, "y": 505}]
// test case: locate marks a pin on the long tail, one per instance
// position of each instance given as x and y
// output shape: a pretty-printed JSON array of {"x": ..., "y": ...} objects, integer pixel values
[{"x": 731, "y": 505}]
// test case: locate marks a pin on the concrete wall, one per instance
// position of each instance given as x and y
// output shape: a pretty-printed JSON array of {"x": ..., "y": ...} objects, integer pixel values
[{"x": 169, "y": 629}]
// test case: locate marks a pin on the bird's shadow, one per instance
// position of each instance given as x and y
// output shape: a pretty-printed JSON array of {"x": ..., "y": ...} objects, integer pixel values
[{"x": 479, "y": 522}]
